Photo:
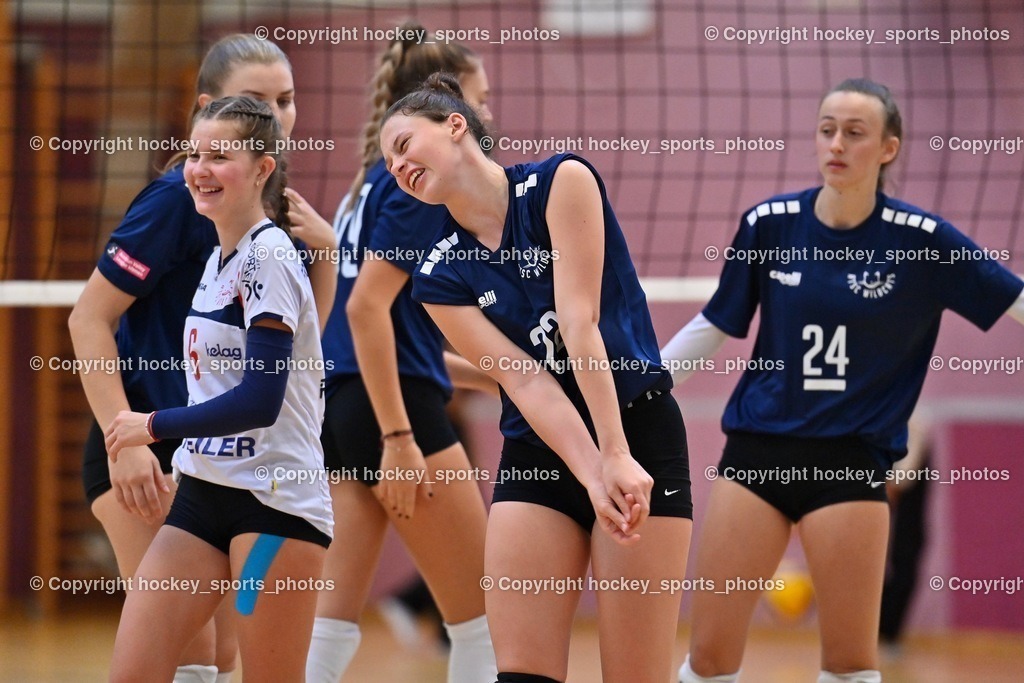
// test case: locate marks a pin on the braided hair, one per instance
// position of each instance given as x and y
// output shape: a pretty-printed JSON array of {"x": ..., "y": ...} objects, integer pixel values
[
  {"x": 403, "y": 68},
  {"x": 256, "y": 124}
]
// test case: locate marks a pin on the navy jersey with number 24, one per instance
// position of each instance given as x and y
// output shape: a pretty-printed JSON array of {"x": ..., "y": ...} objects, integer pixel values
[{"x": 849, "y": 318}]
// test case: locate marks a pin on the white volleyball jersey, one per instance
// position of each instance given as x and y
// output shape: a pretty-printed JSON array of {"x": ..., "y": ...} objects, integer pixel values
[{"x": 282, "y": 464}]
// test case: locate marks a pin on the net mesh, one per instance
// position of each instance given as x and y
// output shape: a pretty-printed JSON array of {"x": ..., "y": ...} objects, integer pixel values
[{"x": 691, "y": 111}]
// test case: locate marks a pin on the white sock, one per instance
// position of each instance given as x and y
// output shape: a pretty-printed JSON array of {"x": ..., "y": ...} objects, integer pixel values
[
  {"x": 195, "y": 673},
  {"x": 686, "y": 675},
  {"x": 472, "y": 655},
  {"x": 225, "y": 676},
  {"x": 333, "y": 646},
  {"x": 866, "y": 676}
]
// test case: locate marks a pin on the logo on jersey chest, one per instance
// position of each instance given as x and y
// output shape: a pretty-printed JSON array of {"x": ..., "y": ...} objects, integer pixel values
[
  {"x": 788, "y": 279},
  {"x": 218, "y": 351},
  {"x": 225, "y": 292},
  {"x": 533, "y": 262},
  {"x": 871, "y": 285}
]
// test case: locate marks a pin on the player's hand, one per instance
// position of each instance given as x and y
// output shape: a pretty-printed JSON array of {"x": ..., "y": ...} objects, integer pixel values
[
  {"x": 609, "y": 517},
  {"x": 128, "y": 429},
  {"x": 629, "y": 487},
  {"x": 307, "y": 224},
  {"x": 137, "y": 482},
  {"x": 403, "y": 466}
]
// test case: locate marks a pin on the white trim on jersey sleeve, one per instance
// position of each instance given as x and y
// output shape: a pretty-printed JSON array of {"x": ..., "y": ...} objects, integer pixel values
[{"x": 697, "y": 341}]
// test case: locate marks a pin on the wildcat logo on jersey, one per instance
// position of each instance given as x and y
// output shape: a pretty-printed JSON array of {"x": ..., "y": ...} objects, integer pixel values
[
  {"x": 533, "y": 262},
  {"x": 871, "y": 286}
]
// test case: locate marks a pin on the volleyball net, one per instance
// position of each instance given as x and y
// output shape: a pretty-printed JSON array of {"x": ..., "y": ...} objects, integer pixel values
[{"x": 692, "y": 111}]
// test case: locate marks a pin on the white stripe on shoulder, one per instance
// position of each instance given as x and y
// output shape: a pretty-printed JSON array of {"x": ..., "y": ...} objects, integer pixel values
[
  {"x": 914, "y": 220},
  {"x": 774, "y": 208},
  {"x": 438, "y": 252}
]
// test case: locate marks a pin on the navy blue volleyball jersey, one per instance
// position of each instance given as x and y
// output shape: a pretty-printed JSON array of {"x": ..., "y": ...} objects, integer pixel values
[
  {"x": 849, "y": 318},
  {"x": 157, "y": 254},
  {"x": 385, "y": 223},
  {"x": 515, "y": 291}
]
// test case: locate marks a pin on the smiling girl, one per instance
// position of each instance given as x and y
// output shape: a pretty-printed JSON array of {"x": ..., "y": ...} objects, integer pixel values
[
  {"x": 531, "y": 270},
  {"x": 132, "y": 307},
  {"x": 251, "y": 426}
]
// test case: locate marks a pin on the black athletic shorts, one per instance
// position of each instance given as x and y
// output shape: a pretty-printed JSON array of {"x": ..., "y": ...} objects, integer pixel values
[
  {"x": 657, "y": 441},
  {"x": 799, "y": 475},
  {"x": 216, "y": 514},
  {"x": 96, "y": 469},
  {"x": 351, "y": 435}
]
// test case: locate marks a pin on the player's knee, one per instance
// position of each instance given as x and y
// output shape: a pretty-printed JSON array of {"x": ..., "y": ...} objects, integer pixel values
[
  {"x": 865, "y": 676},
  {"x": 707, "y": 660},
  {"x": 688, "y": 675},
  {"x": 513, "y": 677}
]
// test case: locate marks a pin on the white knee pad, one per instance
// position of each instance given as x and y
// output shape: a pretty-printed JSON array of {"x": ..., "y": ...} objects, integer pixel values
[
  {"x": 866, "y": 676},
  {"x": 472, "y": 655},
  {"x": 686, "y": 675},
  {"x": 331, "y": 649},
  {"x": 195, "y": 673}
]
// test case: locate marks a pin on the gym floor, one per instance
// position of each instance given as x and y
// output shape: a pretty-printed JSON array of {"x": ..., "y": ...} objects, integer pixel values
[{"x": 76, "y": 647}]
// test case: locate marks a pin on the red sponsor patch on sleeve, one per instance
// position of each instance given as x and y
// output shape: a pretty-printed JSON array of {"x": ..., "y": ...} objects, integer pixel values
[{"x": 133, "y": 266}]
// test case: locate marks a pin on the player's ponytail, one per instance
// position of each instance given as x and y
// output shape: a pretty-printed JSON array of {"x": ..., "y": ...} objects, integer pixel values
[
  {"x": 438, "y": 98},
  {"x": 261, "y": 132},
  {"x": 403, "y": 67},
  {"x": 893, "y": 124},
  {"x": 274, "y": 196}
]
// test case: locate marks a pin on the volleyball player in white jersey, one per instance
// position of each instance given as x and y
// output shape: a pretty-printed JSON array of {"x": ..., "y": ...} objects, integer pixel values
[
  {"x": 243, "y": 510},
  {"x": 849, "y": 345},
  {"x": 133, "y": 307}
]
